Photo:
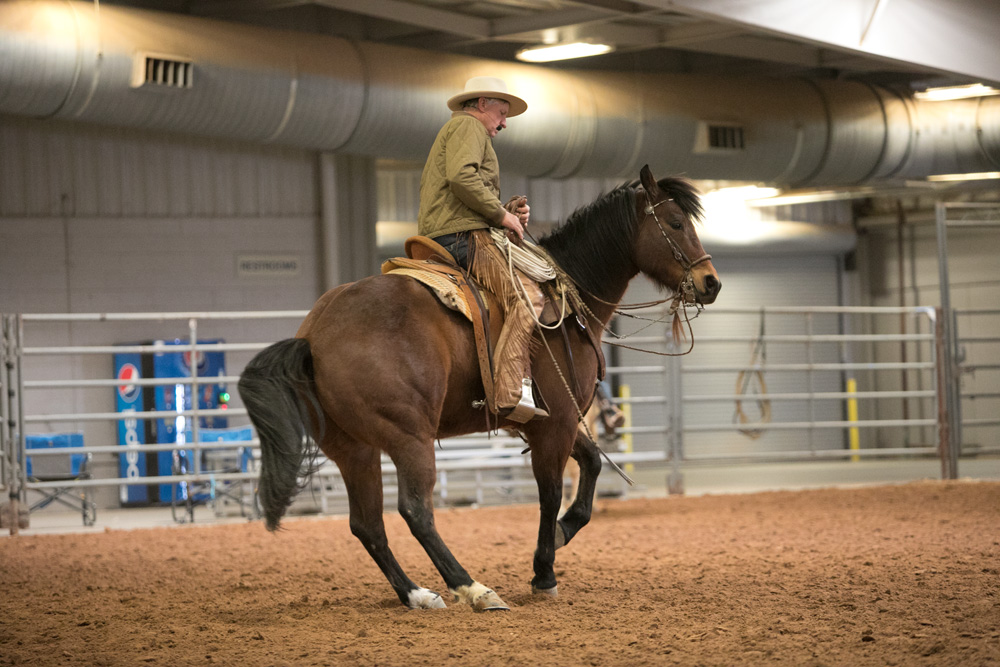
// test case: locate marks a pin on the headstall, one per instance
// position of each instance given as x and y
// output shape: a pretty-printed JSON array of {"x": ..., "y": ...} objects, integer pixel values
[{"x": 679, "y": 254}]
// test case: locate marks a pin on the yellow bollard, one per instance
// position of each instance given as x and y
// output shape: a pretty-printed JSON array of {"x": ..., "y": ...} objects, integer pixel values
[
  {"x": 852, "y": 416},
  {"x": 625, "y": 393}
]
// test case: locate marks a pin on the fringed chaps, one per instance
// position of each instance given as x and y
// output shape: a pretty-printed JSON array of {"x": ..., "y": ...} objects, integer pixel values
[{"x": 512, "y": 356}]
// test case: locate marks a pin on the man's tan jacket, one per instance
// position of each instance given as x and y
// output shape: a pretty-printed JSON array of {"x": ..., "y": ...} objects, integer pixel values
[{"x": 460, "y": 185}]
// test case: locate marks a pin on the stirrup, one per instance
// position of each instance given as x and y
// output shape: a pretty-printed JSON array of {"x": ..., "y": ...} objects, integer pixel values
[{"x": 525, "y": 410}]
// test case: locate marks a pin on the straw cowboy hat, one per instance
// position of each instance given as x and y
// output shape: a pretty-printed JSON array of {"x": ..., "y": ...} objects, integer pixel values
[{"x": 488, "y": 86}]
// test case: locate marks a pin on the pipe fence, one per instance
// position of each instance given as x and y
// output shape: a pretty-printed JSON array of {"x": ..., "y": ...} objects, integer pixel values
[{"x": 822, "y": 385}]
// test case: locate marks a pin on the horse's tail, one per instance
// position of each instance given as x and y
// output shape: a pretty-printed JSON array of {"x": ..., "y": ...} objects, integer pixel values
[{"x": 279, "y": 392}]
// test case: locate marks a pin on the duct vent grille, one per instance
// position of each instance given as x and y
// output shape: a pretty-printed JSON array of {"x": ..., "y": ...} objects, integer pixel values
[
  {"x": 715, "y": 137},
  {"x": 162, "y": 71},
  {"x": 725, "y": 137}
]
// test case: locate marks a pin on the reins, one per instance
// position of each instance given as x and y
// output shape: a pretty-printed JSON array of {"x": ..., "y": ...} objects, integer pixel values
[
  {"x": 684, "y": 296},
  {"x": 570, "y": 292}
]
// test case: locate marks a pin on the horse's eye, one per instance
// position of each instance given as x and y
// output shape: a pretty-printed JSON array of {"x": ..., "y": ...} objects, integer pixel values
[{"x": 677, "y": 222}]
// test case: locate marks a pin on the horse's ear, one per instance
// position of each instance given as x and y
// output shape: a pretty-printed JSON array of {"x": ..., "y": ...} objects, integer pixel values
[{"x": 647, "y": 180}]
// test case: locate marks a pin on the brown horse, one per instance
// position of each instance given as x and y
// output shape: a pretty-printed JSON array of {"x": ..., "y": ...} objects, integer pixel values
[{"x": 381, "y": 366}]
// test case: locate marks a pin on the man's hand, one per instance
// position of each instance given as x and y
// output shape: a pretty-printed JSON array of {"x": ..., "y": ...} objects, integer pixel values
[
  {"x": 522, "y": 210},
  {"x": 515, "y": 230},
  {"x": 518, "y": 210}
]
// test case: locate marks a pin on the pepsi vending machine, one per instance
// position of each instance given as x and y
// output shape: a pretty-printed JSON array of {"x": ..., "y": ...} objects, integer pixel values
[{"x": 133, "y": 432}]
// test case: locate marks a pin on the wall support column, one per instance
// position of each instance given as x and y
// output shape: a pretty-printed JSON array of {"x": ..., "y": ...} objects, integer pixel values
[{"x": 348, "y": 210}]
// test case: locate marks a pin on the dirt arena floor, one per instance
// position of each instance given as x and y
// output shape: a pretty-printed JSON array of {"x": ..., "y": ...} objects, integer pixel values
[{"x": 896, "y": 575}]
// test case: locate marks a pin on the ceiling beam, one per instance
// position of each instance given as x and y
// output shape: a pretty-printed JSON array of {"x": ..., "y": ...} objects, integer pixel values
[
  {"x": 623, "y": 7},
  {"x": 423, "y": 16},
  {"x": 953, "y": 37},
  {"x": 563, "y": 19},
  {"x": 694, "y": 33},
  {"x": 235, "y": 8},
  {"x": 761, "y": 48}
]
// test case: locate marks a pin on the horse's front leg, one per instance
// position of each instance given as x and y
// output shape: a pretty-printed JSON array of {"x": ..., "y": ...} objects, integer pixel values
[
  {"x": 547, "y": 463},
  {"x": 586, "y": 453}
]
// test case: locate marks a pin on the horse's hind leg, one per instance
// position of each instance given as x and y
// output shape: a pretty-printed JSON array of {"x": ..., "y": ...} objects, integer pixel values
[
  {"x": 362, "y": 472},
  {"x": 577, "y": 516},
  {"x": 415, "y": 472}
]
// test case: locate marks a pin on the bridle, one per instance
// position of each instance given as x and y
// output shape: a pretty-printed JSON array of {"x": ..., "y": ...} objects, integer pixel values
[
  {"x": 684, "y": 295},
  {"x": 679, "y": 254}
]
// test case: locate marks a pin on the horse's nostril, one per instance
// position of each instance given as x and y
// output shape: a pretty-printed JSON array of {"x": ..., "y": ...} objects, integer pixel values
[{"x": 712, "y": 284}]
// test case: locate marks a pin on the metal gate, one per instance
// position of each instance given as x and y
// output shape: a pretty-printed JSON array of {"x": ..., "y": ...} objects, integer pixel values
[
  {"x": 824, "y": 389},
  {"x": 971, "y": 338}
]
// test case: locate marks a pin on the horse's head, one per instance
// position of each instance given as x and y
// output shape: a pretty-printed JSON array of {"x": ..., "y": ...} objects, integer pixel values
[{"x": 667, "y": 247}]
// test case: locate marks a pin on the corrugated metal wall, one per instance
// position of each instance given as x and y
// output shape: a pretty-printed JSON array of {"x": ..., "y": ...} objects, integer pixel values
[
  {"x": 107, "y": 220},
  {"x": 62, "y": 169},
  {"x": 95, "y": 219},
  {"x": 974, "y": 273}
]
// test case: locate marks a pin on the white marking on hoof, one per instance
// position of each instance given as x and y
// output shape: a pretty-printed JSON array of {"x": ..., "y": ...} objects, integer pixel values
[
  {"x": 479, "y": 597},
  {"x": 547, "y": 592},
  {"x": 421, "y": 598},
  {"x": 560, "y": 537}
]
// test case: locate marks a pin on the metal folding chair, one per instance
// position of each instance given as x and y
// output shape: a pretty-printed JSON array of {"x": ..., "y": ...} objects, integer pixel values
[
  {"x": 60, "y": 468},
  {"x": 215, "y": 492}
]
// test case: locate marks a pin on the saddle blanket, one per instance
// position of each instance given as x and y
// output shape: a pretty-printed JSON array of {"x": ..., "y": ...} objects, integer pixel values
[{"x": 443, "y": 285}]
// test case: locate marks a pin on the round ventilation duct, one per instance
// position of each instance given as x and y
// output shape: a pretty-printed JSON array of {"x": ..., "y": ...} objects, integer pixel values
[{"x": 160, "y": 71}]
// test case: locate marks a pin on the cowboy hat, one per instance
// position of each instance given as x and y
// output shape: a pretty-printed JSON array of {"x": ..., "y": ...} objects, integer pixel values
[{"x": 488, "y": 86}]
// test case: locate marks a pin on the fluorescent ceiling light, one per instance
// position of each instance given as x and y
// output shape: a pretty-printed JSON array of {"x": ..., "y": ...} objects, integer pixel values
[
  {"x": 746, "y": 192},
  {"x": 811, "y": 197},
  {"x": 548, "y": 53},
  {"x": 955, "y": 92},
  {"x": 977, "y": 176}
]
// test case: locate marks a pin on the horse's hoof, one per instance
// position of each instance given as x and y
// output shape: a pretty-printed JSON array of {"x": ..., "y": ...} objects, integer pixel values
[
  {"x": 421, "y": 598},
  {"x": 489, "y": 601},
  {"x": 547, "y": 592},
  {"x": 480, "y": 598}
]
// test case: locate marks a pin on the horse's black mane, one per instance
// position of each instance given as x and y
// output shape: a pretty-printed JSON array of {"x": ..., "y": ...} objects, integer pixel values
[{"x": 594, "y": 245}]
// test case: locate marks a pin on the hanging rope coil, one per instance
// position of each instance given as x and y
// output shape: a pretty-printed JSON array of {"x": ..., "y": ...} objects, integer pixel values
[{"x": 744, "y": 380}]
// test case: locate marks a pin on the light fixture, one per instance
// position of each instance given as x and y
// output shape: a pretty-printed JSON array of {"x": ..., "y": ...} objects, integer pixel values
[
  {"x": 550, "y": 52},
  {"x": 975, "y": 176},
  {"x": 745, "y": 192},
  {"x": 811, "y": 197},
  {"x": 955, "y": 92}
]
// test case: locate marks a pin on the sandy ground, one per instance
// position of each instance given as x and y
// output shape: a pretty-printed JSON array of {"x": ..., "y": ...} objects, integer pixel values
[{"x": 894, "y": 575}]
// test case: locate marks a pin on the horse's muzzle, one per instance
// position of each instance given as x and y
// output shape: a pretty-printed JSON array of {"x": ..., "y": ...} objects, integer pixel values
[{"x": 707, "y": 286}]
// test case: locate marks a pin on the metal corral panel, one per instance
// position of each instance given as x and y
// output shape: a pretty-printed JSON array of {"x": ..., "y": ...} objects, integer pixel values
[
  {"x": 62, "y": 169},
  {"x": 790, "y": 280}
]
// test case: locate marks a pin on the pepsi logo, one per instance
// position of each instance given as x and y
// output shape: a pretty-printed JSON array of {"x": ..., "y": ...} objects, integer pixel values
[
  {"x": 200, "y": 359},
  {"x": 128, "y": 391}
]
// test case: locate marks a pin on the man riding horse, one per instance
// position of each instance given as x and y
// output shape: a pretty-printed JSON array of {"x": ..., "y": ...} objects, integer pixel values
[
  {"x": 460, "y": 202},
  {"x": 380, "y": 368}
]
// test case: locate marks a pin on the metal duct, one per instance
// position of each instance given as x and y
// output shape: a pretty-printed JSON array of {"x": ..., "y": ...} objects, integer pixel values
[{"x": 72, "y": 60}]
